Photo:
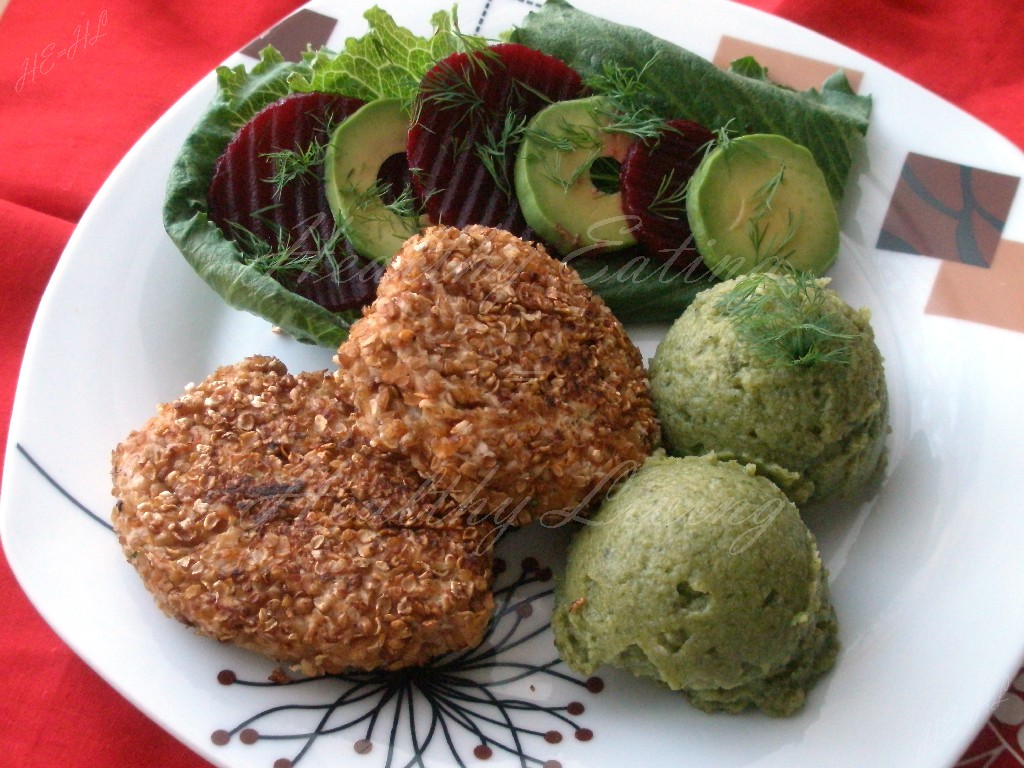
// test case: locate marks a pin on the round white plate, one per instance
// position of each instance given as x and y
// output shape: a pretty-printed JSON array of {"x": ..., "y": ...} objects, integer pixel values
[{"x": 926, "y": 574}]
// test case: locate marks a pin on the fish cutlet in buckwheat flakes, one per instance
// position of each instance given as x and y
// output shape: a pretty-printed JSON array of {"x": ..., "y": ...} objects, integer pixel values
[
  {"x": 500, "y": 375},
  {"x": 253, "y": 515}
]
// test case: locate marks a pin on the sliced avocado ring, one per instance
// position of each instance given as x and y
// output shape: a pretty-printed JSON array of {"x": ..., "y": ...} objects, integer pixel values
[
  {"x": 358, "y": 148},
  {"x": 557, "y": 195},
  {"x": 758, "y": 203}
]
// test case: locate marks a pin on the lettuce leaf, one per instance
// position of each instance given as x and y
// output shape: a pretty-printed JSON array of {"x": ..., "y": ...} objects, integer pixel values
[
  {"x": 679, "y": 84},
  {"x": 386, "y": 63},
  {"x": 640, "y": 289}
]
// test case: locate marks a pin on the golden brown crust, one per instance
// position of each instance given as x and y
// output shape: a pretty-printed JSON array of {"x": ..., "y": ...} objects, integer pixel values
[
  {"x": 499, "y": 374},
  {"x": 252, "y": 513}
]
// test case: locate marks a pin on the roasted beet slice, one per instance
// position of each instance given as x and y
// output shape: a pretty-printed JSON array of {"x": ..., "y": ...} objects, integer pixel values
[
  {"x": 653, "y": 182},
  {"x": 267, "y": 194},
  {"x": 469, "y": 117}
]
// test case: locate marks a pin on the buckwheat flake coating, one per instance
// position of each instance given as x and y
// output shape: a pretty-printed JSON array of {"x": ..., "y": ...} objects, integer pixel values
[
  {"x": 499, "y": 374},
  {"x": 253, "y": 514}
]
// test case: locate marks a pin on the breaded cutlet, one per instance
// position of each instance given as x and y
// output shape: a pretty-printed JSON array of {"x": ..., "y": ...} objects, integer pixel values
[
  {"x": 253, "y": 515},
  {"x": 502, "y": 377}
]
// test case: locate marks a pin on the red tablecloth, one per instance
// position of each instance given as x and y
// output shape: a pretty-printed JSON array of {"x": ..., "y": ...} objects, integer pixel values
[{"x": 66, "y": 121}]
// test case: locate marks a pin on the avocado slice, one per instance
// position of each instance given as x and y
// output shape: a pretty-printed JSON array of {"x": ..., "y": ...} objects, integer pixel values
[
  {"x": 553, "y": 183},
  {"x": 759, "y": 202},
  {"x": 358, "y": 148}
]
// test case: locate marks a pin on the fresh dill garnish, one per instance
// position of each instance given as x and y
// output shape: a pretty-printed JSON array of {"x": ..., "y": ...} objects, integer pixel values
[
  {"x": 460, "y": 42},
  {"x": 670, "y": 199},
  {"x": 451, "y": 87},
  {"x": 568, "y": 137},
  {"x": 558, "y": 178},
  {"x": 375, "y": 202},
  {"x": 309, "y": 254},
  {"x": 641, "y": 124},
  {"x": 786, "y": 319},
  {"x": 292, "y": 164},
  {"x": 561, "y": 145},
  {"x": 404, "y": 205},
  {"x": 765, "y": 194},
  {"x": 520, "y": 89},
  {"x": 723, "y": 137},
  {"x": 770, "y": 246},
  {"x": 498, "y": 146},
  {"x": 627, "y": 93},
  {"x": 454, "y": 85}
]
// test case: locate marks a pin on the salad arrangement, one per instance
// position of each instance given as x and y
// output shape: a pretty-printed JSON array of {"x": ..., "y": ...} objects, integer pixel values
[{"x": 482, "y": 132}]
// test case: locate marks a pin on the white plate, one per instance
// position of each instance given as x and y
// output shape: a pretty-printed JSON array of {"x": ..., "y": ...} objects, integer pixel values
[{"x": 926, "y": 575}]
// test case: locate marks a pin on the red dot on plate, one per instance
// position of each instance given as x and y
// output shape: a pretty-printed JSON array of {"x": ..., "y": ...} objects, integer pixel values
[
  {"x": 575, "y": 708},
  {"x": 525, "y": 610},
  {"x": 584, "y": 734},
  {"x": 249, "y": 736},
  {"x": 551, "y": 764},
  {"x": 595, "y": 684},
  {"x": 363, "y": 746},
  {"x": 226, "y": 677},
  {"x": 282, "y": 762},
  {"x": 220, "y": 738},
  {"x": 482, "y": 752},
  {"x": 552, "y": 737}
]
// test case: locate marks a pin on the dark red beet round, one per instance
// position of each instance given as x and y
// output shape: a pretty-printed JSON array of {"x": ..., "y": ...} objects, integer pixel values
[
  {"x": 246, "y": 204},
  {"x": 470, "y": 103},
  {"x": 653, "y": 178}
]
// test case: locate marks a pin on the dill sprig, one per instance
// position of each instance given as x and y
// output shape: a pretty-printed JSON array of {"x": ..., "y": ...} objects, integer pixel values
[
  {"x": 670, "y": 198},
  {"x": 785, "y": 319},
  {"x": 498, "y": 146},
  {"x": 568, "y": 137},
  {"x": 379, "y": 199},
  {"x": 770, "y": 245},
  {"x": 452, "y": 85},
  {"x": 307, "y": 163},
  {"x": 627, "y": 94},
  {"x": 723, "y": 137},
  {"x": 308, "y": 254},
  {"x": 292, "y": 164},
  {"x": 564, "y": 140},
  {"x": 404, "y": 205}
]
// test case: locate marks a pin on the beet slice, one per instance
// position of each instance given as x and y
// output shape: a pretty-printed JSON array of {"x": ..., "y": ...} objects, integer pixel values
[
  {"x": 290, "y": 216},
  {"x": 653, "y": 181},
  {"x": 469, "y": 116}
]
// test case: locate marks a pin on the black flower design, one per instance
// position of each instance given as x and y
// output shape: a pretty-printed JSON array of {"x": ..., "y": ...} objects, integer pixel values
[{"x": 456, "y": 705}]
